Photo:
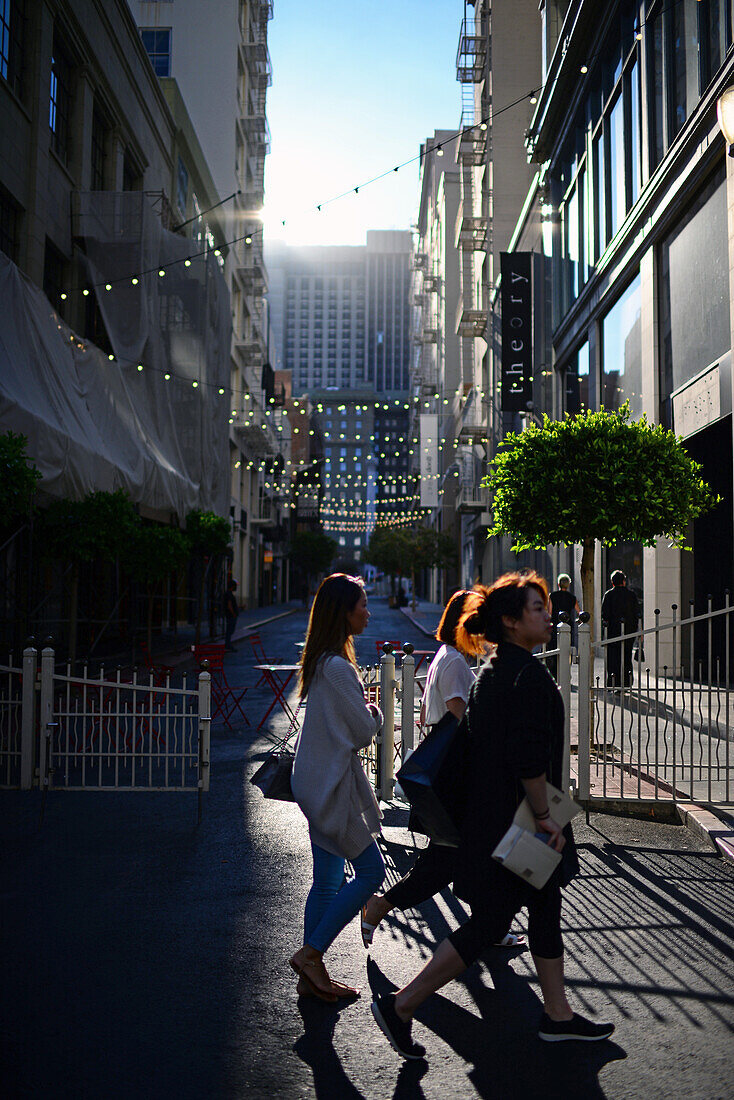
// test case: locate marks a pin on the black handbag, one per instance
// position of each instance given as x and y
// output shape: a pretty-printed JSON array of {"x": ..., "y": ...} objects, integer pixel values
[
  {"x": 273, "y": 777},
  {"x": 431, "y": 779}
]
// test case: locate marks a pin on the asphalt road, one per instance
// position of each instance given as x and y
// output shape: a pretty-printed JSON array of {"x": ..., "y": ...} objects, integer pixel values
[{"x": 144, "y": 956}]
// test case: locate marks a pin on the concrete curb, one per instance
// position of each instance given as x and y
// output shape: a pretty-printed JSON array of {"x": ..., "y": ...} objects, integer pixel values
[
  {"x": 419, "y": 626},
  {"x": 252, "y": 628},
  {"x": 707, "y": 825}
]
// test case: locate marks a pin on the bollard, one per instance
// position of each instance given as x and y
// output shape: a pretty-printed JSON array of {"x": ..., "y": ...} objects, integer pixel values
[
  {"x": 386, "y": 737},
  {"x": 407, "y": 718}
]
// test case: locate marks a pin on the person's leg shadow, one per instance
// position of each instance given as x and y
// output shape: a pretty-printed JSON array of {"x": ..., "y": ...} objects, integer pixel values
[
  {"x": 502, "y": 1043},
  {"x": 316, "y": 1048}
]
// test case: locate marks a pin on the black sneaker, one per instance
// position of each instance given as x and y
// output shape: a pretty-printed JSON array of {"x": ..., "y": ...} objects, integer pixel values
[
  {"x": 555, "y": 1031},
  {"x": 395, "y": 1029}
]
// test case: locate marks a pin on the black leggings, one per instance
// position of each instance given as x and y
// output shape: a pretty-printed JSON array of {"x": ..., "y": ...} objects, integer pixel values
[
  {"x": 488, "y": 926},
  {"x": 432, "y": 871}
]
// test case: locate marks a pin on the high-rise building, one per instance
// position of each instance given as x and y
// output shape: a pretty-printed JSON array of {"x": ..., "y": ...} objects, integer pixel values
[
  {"x": 219, "y": 57},
  {"x": 341, "y": 324}
]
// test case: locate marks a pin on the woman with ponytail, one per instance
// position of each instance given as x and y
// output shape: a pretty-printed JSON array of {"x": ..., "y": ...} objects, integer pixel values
[
  {"x": 514, "y": 744},
  {"x": 448, "y": 686},
  {"x": 329, "y": 783}
]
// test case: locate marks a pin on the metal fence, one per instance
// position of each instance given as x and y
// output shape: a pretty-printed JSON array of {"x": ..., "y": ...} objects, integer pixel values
[
  {"x": 665, "y": 731},
  {"x": 665, "y": 736},
  {"x": 60, "y": 731}
]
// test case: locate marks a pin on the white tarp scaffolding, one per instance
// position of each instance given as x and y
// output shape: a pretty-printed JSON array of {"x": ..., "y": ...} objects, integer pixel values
[{"x": 93, "y": 423}]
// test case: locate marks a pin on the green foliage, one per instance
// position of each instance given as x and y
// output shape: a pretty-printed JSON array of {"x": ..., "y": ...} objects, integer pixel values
[
  {"x": 154, "y": 552},
  {"x": 313, "y": 551},
  {"x": 98, "y": 527},
  {"x": 18, "y": 477},
  {"x": 597, "y": 475},
  {"x": 208, "y": 533},
  {"x": 387, "y": 551},
  {"x": 400, "y": 550}
]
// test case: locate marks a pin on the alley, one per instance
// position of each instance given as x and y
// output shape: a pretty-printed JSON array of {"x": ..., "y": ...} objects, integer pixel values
[{"x": 146, "y": 957}]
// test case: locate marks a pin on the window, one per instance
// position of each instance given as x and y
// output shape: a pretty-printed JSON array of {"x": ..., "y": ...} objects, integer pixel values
[
  {"x": 54, "y": 272},
  {"x": 60, "y": 99},
  {"x": 157, "y": 42},
  {"x": 130, "y": 175},
  {"x": 99, "y": 139},
  {"x": 9, "y": 226},
  {"x": 622, "y": 352},
  {"x": 182, "y": 186},
  {"x": 12, "y": 25},
  {"x": 577, "y": 382},
  {"x": 687, "y": 43},
  {"x": 694, "y": 288}
]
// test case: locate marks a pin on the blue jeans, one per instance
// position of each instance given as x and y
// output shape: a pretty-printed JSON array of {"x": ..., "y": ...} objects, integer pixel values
[{"x": 330, "y": 906}]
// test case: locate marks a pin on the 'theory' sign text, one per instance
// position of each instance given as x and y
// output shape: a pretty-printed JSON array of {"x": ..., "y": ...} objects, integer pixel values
[{"x": 517, "y": 330}]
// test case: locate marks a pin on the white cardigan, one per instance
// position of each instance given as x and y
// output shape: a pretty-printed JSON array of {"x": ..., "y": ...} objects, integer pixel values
[{"x": 328, "y": 781}]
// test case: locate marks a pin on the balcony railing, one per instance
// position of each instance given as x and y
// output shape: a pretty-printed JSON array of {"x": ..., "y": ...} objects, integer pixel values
[
  {"x": 471, "y": 233},
  {"x": 471, "y": 497},
  {"x": 471, "y": 55}
]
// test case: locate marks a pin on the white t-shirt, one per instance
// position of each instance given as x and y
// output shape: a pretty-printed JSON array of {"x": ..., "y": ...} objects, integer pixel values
[{"x": 449, "y": 677}]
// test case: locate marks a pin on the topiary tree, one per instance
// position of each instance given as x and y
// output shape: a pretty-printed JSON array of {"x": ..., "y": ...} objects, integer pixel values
[
  {"x": 209, "y": 536},
  {"x": 598, "y": 476},
  {"x": 312, "y": 552},
  {"x": 18, "y": 479},
  {"x": 151, "y": 555}
]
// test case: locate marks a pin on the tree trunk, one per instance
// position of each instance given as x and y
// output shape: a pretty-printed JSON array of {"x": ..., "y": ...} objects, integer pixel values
[
  {"x": 587, "y": 595},
  {"x": 412, "y": 584},
  {"x": 587, "y": 582},
  {"x": 73, "y": 611},
  {"x": 200, "y": 605},
  {"x": 151, "y": 597}
]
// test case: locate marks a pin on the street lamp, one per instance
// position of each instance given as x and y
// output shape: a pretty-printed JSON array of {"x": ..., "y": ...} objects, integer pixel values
[{"x": 725, "y": 113}]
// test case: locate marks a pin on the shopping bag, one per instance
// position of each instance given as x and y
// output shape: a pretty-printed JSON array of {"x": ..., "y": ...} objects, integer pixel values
[
  {"x": 525, "y": 852},
  {"x": 430, "y": 778},
  {"x": 273, "y": 777}
]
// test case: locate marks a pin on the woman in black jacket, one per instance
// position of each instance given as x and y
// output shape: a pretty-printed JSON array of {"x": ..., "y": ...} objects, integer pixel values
[{"x": 514, "y": 743}]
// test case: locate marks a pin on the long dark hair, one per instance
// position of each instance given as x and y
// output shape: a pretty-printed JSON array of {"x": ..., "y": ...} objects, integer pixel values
[
  {"x": 507, "y": 596},
  {"x": 328, "y": 631}
]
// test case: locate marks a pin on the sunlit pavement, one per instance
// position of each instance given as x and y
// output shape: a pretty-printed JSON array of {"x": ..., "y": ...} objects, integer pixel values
[{"x": 146, "y": 957}]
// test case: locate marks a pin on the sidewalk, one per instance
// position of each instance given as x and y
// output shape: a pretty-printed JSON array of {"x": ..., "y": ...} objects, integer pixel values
[{"x": 426, "y": 616}]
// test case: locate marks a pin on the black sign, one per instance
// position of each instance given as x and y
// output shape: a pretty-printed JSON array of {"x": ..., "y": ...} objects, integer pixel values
[{"x": 517, "y": 331}]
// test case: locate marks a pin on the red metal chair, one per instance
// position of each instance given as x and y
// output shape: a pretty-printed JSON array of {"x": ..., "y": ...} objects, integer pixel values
[
  {"x": 226, "y": 700},
  {"x": 160, "y": 672},
  {"x": 261, "y": 657}
]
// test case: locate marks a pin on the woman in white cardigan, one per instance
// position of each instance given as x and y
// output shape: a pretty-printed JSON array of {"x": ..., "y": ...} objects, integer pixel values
[{"x": 329, "y": 783}]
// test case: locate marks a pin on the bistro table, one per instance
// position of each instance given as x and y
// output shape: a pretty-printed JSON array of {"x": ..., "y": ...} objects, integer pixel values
[{"x": 278, "y": 677}]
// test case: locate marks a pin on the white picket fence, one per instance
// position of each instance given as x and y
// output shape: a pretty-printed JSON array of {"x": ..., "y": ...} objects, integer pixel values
[{"x": 61, "y": 731}]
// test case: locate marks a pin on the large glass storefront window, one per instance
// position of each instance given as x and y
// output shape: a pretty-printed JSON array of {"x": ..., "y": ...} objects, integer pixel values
[
  {"x": 687, "y": 41},
  {"x": 694, "y": 288},
  {"x": 622, "y": 352},
  {"x": 577, "y": 381}
]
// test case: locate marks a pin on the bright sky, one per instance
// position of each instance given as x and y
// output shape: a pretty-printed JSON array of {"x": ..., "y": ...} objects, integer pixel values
[{"x": 357, "y": 86}]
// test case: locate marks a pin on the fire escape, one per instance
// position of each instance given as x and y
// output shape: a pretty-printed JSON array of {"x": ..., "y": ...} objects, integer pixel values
[{"x": 473, "y": 241}]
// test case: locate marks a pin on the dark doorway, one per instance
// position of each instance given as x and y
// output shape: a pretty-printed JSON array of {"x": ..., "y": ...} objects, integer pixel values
[{"x": 709, "y": 570}]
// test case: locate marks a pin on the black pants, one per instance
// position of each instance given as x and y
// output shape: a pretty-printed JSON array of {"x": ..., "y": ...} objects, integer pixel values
[
  {"x": 230, "y": 622},
  {"x": 487, "y": 925},
  {"x": 614, "y": 661},
  {"x": 431, "y": 873}
]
